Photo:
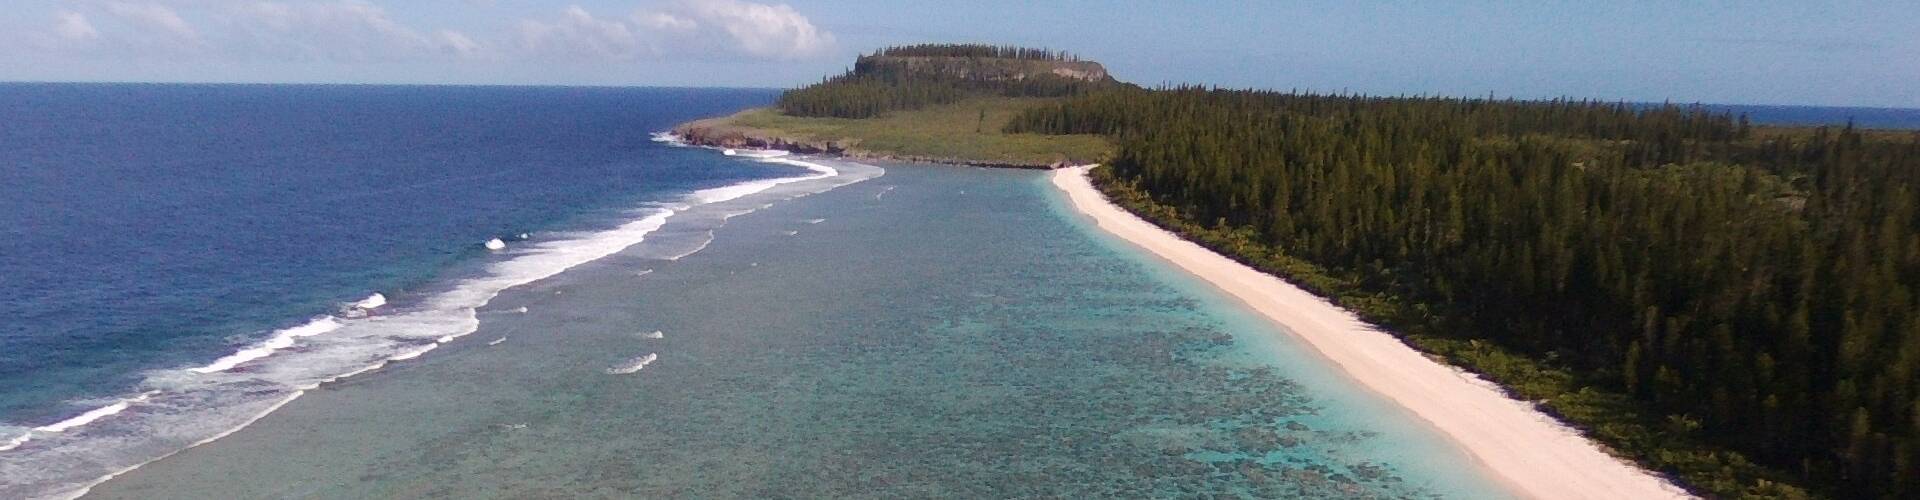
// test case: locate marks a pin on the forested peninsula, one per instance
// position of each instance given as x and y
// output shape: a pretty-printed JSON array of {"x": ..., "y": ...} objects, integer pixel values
[{"x": 1733, "y": 305}]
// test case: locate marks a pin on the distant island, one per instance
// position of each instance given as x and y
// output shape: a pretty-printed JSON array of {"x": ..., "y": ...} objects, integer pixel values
[{"x": 1732, "y": 305}]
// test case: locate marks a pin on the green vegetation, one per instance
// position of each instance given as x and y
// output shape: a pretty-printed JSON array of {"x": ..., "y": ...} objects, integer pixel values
[
  {"x": 917, "y": 76},
  {"x": 1735, "y": 307},
  {"x": 928, "y": 102},
  {"x": 964, "y": 131},
  {"x": 976, "y": 51}
]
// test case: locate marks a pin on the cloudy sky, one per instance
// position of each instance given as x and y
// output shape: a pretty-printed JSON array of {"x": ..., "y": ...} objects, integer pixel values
[{"x": 1756, "y": 52}]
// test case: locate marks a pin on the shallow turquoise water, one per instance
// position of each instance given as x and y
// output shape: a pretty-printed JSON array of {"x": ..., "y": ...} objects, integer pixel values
[{"x": 943, "y": 332}]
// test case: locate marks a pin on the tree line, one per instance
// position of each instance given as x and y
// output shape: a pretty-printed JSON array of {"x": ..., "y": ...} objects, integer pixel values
[
  {"x": 976, "y": 51},
  {"x": 877, "y": 86},
  {"x": 1747, "y": 287}
]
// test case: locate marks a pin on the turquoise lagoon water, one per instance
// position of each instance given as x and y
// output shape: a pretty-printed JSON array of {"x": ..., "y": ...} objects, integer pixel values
[{"x": 930, "y": 332}]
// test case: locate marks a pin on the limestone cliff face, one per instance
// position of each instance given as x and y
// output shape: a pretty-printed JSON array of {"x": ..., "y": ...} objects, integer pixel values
[{"x": 983, "y": 68}]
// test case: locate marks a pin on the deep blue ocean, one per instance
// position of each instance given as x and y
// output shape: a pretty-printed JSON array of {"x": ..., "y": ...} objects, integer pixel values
[{"x": 148, "y": 227}]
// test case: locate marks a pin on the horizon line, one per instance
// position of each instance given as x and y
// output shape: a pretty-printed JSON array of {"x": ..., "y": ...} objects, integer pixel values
[{"x": 1296, "y": 90}]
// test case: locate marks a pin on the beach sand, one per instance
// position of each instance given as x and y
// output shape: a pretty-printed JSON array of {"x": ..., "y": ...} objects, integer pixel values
[{"x": 1532, "y": 453}]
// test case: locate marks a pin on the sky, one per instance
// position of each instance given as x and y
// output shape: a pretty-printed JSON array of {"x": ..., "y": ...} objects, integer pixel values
[{"x": 1804, "y": 52}]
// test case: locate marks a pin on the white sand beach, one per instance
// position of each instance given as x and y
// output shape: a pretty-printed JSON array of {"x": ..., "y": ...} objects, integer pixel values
[{"x": 1531, "y": 452}]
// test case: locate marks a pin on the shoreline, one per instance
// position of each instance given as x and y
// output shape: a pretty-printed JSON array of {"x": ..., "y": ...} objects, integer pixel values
[
  {"x": 1526, "y": 450},
  {"x": 715, "y": 133}
]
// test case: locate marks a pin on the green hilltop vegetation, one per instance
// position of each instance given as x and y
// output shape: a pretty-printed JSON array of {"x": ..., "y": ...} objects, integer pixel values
[
  {"x": 1730, "y": 304},
  {"x": 914, "y": 77},
  {"x": 947, "y": 103},
  {"x": 963, "y": 132}
]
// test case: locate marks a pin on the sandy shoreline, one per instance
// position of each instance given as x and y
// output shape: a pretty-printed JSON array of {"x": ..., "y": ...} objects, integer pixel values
[{"x": 1528, "y": 451}]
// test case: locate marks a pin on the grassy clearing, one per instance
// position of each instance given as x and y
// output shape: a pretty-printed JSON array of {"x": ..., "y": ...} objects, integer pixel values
[{"x": 967, "y": 130}]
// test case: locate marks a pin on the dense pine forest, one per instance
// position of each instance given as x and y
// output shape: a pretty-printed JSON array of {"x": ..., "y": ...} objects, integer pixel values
[
  {"x": 898, "y": 78},
  {"x": 1734, "y": 305}
]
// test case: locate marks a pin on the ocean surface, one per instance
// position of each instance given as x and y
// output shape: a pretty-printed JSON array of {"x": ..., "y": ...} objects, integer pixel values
[
  {"x": 927, "y": 331},
  {"x": 146, "y": 227},
  {"x": 401, "y": 292},
  {"x": 1873, "y": 118},
  {"x": 355, "y": 292},
  {"x": 176, "y": 259},
  {"x": 364, "y": 291}
]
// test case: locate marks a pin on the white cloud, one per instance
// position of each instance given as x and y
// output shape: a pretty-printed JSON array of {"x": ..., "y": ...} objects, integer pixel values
[
  {"x": 346, "y": 30},
  {"x": 769, "y": 31},
  {"x": 364, "y": 31},
  {"x": 154, "y": 18},
  {"x": 690, "y": 28},
  {"x": 74, "y": 26},
  {"x": 664, "y": 21},
  {"x": 458, "y": 44},
  {"x": 118, "y": 29},
  {"x": 580, "y": 35}
]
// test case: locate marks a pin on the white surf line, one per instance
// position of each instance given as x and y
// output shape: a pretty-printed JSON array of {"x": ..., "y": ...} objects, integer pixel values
[
  {"x": 671, "y": 139},
  {"x": 372, "y": 302},
  {"x": 280, "y": 340},
  {"x": 94, "y": 414},
  {"x": 1530, "y": 452},
  {"x": 633, "y": 365},
  {"x": 364, "y": 307},
  {"x": 16, "y": 441},
  {"x": 84, "y": 488},
  {"x": 417, "y": 352},
  {"x": 77, "y": 421}
]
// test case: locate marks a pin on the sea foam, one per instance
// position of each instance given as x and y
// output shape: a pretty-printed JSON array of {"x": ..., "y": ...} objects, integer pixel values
[
  {"x": 415, "y": 353},
  {"x": 20, "y": 437},
  {"x": 280, "y": 340},
  {"x": 371, "y": 302},
  {"x": 633, "y": 365},
  {"x": 95, "y": 414}
]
